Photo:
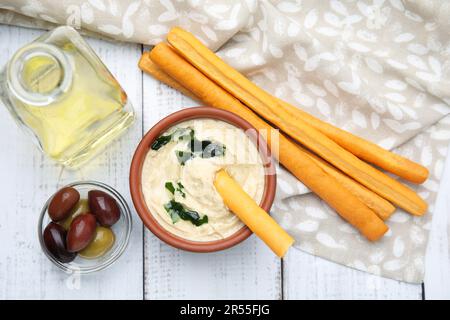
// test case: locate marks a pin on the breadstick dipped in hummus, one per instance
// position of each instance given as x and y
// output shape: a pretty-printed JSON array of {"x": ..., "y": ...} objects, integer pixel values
[
  {"x": 293, "y": 158},
  {"x": 379, "y": 205},
  {"x": 255, "y": 218}
]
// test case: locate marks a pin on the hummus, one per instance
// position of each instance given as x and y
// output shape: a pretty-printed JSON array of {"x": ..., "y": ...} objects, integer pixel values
[{"x": 169, "y": 178}]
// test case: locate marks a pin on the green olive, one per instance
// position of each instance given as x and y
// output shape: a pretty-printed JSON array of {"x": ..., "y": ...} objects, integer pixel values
[
  {"x": 103, "y": 241},
  {"x": 82, "y": 206}
]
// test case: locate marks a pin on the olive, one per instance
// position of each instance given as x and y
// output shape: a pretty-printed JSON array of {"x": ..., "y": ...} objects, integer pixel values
[
  {"x": 55, "y": 242},
  {"x": 82, "y": 206},
  {"x": 61, "y": 204},
  {"x": 104, "y": 207},
  {"x": 103, "y": 241},
  {"x": 81, "y": 232}
]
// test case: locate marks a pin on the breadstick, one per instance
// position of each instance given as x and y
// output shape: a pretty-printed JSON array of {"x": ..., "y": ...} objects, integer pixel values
[
  {"x": 266, "y": 106},
  {"x": 383, "y": 208},
  {"x": 363, "y": 149},
  {"x": 255, "y": 218}
]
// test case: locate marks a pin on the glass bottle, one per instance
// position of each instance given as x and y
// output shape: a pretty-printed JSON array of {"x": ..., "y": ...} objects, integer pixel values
[{"x": 60, "y": 92}]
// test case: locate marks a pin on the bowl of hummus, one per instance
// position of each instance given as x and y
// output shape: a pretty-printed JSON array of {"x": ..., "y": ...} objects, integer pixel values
[{"x": 173, "y": 170}]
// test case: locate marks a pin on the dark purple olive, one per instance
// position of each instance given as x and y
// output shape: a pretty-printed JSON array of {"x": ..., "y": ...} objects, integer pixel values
[
  {"x": 55, "y": 242},
  {"x": 104, "y": 207},
  {"x": 81, "y": 232},
  {"x": 63, "y": 201}
]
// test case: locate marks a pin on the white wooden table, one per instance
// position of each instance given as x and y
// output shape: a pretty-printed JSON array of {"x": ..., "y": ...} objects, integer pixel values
[{"x": 150, "y": 269}]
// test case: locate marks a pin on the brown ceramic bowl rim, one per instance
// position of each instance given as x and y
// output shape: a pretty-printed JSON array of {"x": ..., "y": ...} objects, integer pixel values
[{"x": 136, "y": 173}]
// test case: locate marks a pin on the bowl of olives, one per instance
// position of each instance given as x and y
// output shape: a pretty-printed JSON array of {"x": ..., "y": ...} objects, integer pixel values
[{"x": 84, "y": 227}]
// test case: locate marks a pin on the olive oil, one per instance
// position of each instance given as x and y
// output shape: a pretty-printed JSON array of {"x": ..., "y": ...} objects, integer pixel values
[{"x": 60, "y": 91}]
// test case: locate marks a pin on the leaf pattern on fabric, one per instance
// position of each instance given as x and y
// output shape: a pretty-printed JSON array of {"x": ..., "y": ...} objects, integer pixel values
[{"x": 378, "y": 68}]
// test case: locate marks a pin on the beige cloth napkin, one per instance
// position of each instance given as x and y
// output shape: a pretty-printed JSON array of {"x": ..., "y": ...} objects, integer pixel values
[{"x": 378, "y": 68}]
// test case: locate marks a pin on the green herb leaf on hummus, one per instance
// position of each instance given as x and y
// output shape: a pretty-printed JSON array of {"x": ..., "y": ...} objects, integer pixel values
[
  {"x": 176, "y": 211},
  {"x": 179, "y": 134},
  {"x": 183, "y": 134},
  {"x": 180, "y": 189},
  {"x": 194, "y": 217},
  {"x": 172, "y": 207},
  {"x": 202, "y": 148},
  {"x": 172, "y": 189},
  {"x": 213, "y": 150},
  {"x": 197, "y": 146},
  {"x": 161, "y": 141},
  {"x": 183, "y": 156},
  {"x": 206, "y": 148},
  {"x": 169, "y": 186}
]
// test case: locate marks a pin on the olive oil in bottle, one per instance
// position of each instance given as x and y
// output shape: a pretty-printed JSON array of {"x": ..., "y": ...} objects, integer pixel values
[{"x": 61, "y": 93}]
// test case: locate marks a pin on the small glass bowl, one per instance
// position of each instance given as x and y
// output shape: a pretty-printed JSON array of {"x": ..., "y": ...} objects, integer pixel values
[{"x": 121, "y": 229}]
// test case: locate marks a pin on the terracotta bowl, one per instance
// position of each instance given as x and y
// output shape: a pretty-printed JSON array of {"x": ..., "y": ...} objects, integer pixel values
[{"x": 136, "y": 173}]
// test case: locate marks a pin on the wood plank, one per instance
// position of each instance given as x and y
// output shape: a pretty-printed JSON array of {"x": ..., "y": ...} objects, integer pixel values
[
  {"x": 311, "y": 277},
  {"x": 247, "y": 271},
  {"x": 30, "y": 179},
  {"x": 437, "y": 263}
]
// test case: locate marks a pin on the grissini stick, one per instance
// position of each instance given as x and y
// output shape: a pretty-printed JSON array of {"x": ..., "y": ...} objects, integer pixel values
[
  {"x": 383, "y": 208},
  {"x": 266, "y": 106},
  {"x": 255, "y": 218},
  {"x": 188, "y": 46},
  {"x": 364, "y": 149}
]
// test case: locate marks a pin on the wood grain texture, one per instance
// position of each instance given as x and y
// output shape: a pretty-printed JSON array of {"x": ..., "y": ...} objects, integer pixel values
[
  {"x": 437, "y": 264},
  {"x": 311, "y": 277},
  {"x": 30, "y": 178},
  {"x": 248, "y": 271}
]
